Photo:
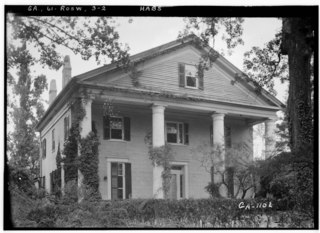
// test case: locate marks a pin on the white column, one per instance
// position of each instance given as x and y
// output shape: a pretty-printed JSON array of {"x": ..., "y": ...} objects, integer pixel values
[
  {"x": 218, "y": 143},
  {"x": 85, "y": 125},
  {"x": 157, "y": 141},
  {"x": 62, "y": 179},
  {"x": 269, "y": 137}
]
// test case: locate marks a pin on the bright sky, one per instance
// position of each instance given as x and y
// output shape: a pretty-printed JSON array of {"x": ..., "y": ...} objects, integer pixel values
[{"x": 148, "y": 32}]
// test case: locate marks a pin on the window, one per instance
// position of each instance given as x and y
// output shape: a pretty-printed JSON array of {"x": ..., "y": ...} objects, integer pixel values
[
  {"x": 117, "y": 128},
  {"x": 53, "y": 141},
  {"x": 66, "y": 127},
  {"x": 189, "y": 77},
  {"x": 120, "y": 181},
  {"x": 177, "y": 132},
  {"x": 44, "y": 148},
  {"x": 227, "y": 134}
]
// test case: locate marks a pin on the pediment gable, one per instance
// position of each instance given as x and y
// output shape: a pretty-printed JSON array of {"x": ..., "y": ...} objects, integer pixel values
[{"x": 158, "y": 70}]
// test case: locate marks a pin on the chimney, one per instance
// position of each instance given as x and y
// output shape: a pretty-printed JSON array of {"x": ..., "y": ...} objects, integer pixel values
[
  {"x": 66, "y": 71},
  {"x": 52, "y": 91}
]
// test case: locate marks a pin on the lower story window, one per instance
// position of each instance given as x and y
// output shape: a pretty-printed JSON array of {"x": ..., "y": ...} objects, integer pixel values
[
  {"x": 120, "y": 180},
  {"x": 177, "y": 132}
]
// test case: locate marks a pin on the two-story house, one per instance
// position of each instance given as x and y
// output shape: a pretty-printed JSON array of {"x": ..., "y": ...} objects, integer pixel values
[{"x": 178, "y": 106}]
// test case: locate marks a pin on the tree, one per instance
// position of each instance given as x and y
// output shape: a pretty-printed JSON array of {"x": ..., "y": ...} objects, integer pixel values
[
  {"x": 298, "y": 43},
  {"x": 237, "y": 173},
  {"x": 24, "y": 143},
  {"x": 87, "y": 36}
]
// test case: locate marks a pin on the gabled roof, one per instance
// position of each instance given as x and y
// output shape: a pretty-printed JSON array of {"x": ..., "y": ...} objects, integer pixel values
[{"x": 152, "y": 53}]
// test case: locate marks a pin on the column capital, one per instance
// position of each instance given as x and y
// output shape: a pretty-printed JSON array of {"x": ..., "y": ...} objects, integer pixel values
[
  {"x": 217, "y": 115},
  {"x": 158, "y": 107}
]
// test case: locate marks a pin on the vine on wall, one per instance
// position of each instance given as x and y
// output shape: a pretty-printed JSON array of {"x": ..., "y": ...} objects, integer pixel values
[
  {"x": 161, "y": 156},
  {"x": 88, "y": 160}
]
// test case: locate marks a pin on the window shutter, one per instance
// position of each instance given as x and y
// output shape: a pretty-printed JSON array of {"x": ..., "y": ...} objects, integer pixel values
[
  {"x": 106, "y": 127},
  {"x": 128, "y": 180},
  {"x": 65, "y": 128},
  {"x": 186, "y": 133},
  {"x": 114, "y": 181},
  {"x": 211, "y": 135},
  {"x": 181, "y": 75},
  {"x": 200, "y": 77},
  {"x": 127, "y": 129}
]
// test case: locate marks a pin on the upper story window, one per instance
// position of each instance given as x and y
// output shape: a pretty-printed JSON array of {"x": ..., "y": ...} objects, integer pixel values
[
  {"x": 53, "y": 141},
  {"x": 66, "y": 127},
  {"x": 117, "y": 128},
  {"x": 177, "y": 132},
  {"x": 44, "y": 148},
  {"x": 189, "y": 77}
]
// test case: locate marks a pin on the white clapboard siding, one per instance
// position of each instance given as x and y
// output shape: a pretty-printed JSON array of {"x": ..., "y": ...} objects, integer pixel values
[{"x": 163, "y": 75}]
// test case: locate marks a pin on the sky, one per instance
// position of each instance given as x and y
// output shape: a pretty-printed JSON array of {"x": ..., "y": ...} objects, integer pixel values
[{"x": 147, "y": 32}]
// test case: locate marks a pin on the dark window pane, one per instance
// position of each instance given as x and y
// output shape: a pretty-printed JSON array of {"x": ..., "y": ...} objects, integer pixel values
[
  {"x": 120, "y": 182},
  {"x": 114, "y": 169},
  {"x": 172, "y": 138},
  {"x": 120, "y": 193},
  {"x": 120, "y": 170},
  {"x": 180, "y": 134},
  {"x": 181, "y": 186},
  {"x": 191, "y": 81},
  {"x": 116, "y": 133}
]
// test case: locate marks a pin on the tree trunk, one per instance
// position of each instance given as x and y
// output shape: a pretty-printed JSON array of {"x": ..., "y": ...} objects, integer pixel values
[{"x": 296, "y": 38}]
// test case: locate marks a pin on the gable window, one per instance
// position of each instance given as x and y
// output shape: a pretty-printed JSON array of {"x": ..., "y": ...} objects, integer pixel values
[
  {"x": 53, "y": 141},
  {"x": 66, "y": 127},
  {"x": 177, "y": 132},
  {"x": 189, "y": 77},
  {"x": 44, "y": 148},
  {"x": 117, "y": 128}
]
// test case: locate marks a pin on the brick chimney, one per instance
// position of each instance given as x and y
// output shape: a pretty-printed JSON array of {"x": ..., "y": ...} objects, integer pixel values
[
  {"x": 66, "y": 71},
  {"x": 52, "y": 91}
]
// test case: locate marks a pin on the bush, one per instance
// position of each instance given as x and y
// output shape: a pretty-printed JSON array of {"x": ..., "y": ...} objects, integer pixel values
[{"x": 213, "y": 190}]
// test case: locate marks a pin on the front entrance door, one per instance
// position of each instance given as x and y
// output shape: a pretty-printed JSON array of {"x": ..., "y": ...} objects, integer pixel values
[{"x": 176, "y": 190}]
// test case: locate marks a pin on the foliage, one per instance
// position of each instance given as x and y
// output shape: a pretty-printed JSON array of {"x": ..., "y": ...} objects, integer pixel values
[
  {"x": 219, "y": 162},
  {"x": 289, "y": 177},
  {"x": 265, "y": 64},
  {"x": 213, "y": 189},
  {"x": 161, "y": 156},
  {"x": 89, "y": 163},
  {"x": 24, "y": 144},
  {"x": 70, "y": 150},
  {"x": 208, "y": 28},
  {"x": 88, "y": 36}
]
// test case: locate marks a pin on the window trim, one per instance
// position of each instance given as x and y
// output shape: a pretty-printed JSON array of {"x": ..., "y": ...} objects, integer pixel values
[
  {"x": 185, "y": 79},
  {"x": 109, "y": 188},
  {"x": 185, "y": 169},
  {"x": 178, "y": 133},
  {"x": 122, "y": 129}
]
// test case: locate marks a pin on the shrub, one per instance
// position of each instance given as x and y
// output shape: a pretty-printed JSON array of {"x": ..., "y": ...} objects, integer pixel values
[{"x": 213, "y": 190}]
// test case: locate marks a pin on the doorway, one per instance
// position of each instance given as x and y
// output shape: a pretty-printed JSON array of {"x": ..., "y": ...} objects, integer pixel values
[{"x": 177, "y": 183}]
